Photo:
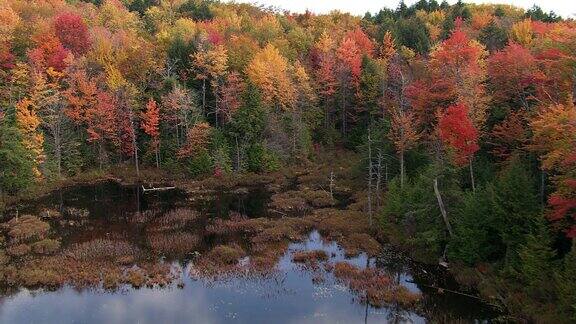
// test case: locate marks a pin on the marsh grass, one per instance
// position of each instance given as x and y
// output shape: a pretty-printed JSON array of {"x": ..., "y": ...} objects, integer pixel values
[
  {"x": 374, "y": 286},
  {"x": 173, "y": 220},
  {"x": 310, "y": 257},
  {"x": 173, "y": 243},
  {"x": 103, "y": 249},
  {"x": 26, "y": 228},
  {"x": 46, "y": 246}
]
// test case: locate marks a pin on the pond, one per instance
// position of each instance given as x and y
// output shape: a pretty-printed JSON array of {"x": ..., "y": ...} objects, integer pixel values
[{"x": 126, "y": 256}]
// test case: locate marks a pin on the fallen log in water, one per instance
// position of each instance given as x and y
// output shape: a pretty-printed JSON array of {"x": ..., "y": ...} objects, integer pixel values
[{"x": 157, "y": 189}]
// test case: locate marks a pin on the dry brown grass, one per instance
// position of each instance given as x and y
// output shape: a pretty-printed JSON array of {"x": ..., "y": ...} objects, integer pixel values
[
  {"x": 39, "y": 277},
  {"x": 76, "y": 213},
  {"x": 136, "y": 277},
  {"x": 226, "y": 254},
  {"x": 103, "y": 249},
  {"x": 237, "y": 225},
  {"x": 374, "y": 286},
  {"x": 48, "y": 213},
  {"x": 335, "y": 222},
  {"x": 173, "y": 243},
  {"x": 221, "y": 261},
  {"x": 309, "y": 256},
  {"x": 143, "y": 216},
  {"x": 26, "y": 228},
  {"x": 356, "y": 243},
  {"x": 288, "y": 202},
  {"x": 175, "y": 219},
  {"x": 4, "y": 258},
  {"x": 46, "y": 246},
  {"x": 19, "y": 250},
  {"x": 111, "y": 280}
]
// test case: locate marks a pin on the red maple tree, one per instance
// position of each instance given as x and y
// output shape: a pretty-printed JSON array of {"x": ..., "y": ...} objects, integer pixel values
[{"x": 458, "y": 132}]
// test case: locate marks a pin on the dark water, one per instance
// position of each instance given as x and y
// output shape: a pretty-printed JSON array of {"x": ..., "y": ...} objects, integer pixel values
[{"x": 289, "y": 295}]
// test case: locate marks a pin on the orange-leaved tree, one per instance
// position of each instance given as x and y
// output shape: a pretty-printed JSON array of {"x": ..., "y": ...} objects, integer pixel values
[{"x": 150, "y": 125}]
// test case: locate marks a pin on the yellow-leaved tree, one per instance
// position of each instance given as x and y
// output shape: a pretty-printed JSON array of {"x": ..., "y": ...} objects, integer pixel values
[{"x": 269, "y": 71}]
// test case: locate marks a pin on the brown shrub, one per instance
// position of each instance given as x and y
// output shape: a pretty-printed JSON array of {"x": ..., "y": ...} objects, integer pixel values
[
  {"x": 102, "y": 249},
  {"x": 226, "y": 254},
  {"x": 46, "y": 246},
  {"x": 289, "y": 201},
  {"x": 141, "y": 217},
  {"x": 221, "y": 261},
  {"x": 50, "y": 214},
  {"x": 171, "y": 243},
  {"x": 159, "y": 274},
  {"x": 318, "y": 198},
  {"x": 26, "y": 228},
  {"x": 111, "y": 280},
  {"x": 40, "y": 277},
  {"x": 9, "y": 275},
  {"x": 4, "y": 258},
  {"x": 373, "y": 285},
  {"x": 174, "y": 219},
  {"x": 335, "y": 223},
  {"x": 266, "y": 255},
  {"x": 309, "y": 256},
  {"x": 18, "y": 250},
  {"x": 76, "y": 213},
  {"x": 355, "y": 243},
  {"x": 238, "y": 224},
  {"x": 135, "y": 277},
  {"x": 276, "y": 233}
]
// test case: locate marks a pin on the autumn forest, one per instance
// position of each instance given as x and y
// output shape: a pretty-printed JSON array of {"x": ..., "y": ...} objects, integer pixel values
[{"x": 457, "y": 122}]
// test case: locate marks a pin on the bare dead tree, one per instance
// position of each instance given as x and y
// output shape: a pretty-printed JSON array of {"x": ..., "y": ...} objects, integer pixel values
[
  {"x": 442, "y": 208},
  {"x": 378, "y": 179},
  {"x": 370, "y": 176},
  {"x": 332, "y": 185}
]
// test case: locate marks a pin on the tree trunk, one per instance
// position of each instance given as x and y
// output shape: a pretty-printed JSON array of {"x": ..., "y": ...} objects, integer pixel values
[
  {"x": 442, "y": 209},
  {"x": 378, "y": 180},
  {"x": 369, "y": 177},
  {"x": 216, "y": 109},
  {"x": 204, "y": 97},
  {"x": 402, "y": 169},
  {"x": 472, "y": 175},
  {"x": 157, "y": 155},
  {"x": 134, "y": 145},
  {"x": 237, "y": 154},
  {"x": 58, "y": 153},
  {"x": 332, "y": 185},
  {"x": 100, "y": 154},
  {"x": 543, "y": 188}
]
